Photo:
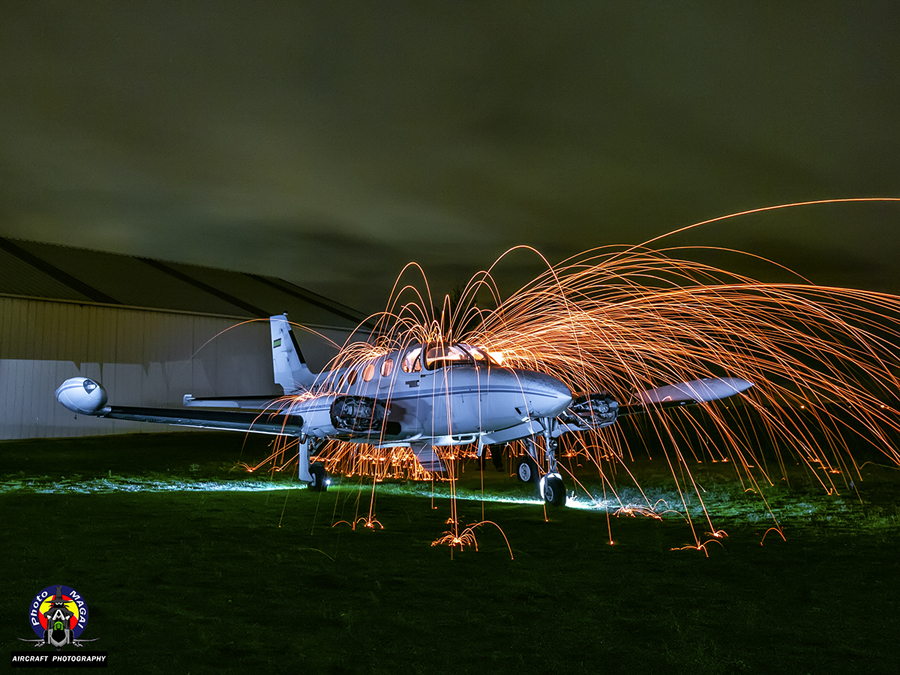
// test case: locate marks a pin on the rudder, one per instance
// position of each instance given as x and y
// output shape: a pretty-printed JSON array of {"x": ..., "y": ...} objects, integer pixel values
[{"x": 291, "y": 371}]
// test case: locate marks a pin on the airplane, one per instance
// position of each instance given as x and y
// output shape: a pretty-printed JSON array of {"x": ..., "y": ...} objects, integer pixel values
[{"x": 425, "y": 396}]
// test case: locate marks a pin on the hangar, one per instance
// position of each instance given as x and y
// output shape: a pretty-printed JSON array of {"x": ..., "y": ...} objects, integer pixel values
[{"x": 150, "y": 331}]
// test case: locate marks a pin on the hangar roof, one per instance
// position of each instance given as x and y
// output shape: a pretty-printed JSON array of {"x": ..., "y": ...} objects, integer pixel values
[{"x": 53, "y": 272}]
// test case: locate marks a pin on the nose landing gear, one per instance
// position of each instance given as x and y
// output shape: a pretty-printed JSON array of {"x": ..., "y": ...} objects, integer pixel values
[
  {"x": 550, "y": 486},
  {"x": 553, "y": 490}
]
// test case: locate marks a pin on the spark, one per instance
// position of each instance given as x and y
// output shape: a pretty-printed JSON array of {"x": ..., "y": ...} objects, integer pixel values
[
  {"x": 777, "y": 530},
  {"x": 369, "y": 522},
  {"x": 635, "y": 511},
  {"x": 456, "y": 539},
  {"x": 624, "y": 319},
  {"x": 702, "y": 547}
]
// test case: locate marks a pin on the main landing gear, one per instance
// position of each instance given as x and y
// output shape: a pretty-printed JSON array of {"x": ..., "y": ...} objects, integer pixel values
[
  {"x": 550, "y": 485},
  {"x": 319, "y": 482},
  {"x": 314, "y": 475},
  {"x": 527, "y": 469}
]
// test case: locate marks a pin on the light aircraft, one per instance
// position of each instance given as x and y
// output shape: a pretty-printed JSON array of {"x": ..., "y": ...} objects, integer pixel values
[{"x": 422, "y": 397}]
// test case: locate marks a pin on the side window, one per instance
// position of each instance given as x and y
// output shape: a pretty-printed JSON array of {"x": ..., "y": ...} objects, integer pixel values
[
  {"x": 411, "y": 362},
  {"x": 369, "y": 373},
  {"x": 387, "y": 367},
  {"x": 351, "y": 378}
]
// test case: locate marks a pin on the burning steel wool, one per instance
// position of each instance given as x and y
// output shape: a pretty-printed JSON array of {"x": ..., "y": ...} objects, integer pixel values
[
  {"x": 625, "y": 322},
  {"x": 617, "y": 351}
]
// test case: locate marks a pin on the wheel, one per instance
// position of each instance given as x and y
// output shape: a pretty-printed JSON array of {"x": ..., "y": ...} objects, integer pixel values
[
  {"x": 553, "y": 489},
  {"x": 319, "y": 482},
  {"x": 527, "y": 469}
]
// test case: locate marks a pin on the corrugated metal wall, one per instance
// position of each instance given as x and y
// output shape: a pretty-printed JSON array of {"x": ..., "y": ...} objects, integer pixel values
[{"x": 142, "y": 357}]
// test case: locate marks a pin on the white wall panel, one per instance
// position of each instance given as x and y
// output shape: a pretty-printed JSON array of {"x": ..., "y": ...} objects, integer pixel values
[{"x": 142, "y": 357}]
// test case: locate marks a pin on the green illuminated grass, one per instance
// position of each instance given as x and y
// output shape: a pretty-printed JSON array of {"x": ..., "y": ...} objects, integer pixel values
[{"x": 215, "y": 580}]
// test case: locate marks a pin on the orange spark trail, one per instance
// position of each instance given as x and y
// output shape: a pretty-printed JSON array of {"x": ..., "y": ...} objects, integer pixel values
[{"x": 623, "y": 319}]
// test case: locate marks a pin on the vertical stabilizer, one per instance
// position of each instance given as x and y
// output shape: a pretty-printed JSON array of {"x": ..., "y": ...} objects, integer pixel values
[{"x": 290, "y": 369}]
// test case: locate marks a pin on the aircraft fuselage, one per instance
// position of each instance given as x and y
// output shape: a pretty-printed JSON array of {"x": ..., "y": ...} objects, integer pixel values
[{"x": 448, "y": 404}]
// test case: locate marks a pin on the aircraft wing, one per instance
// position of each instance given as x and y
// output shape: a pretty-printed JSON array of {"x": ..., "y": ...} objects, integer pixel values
[
  {"x": 687, "y": 393},
  {"x": 83, "y": 396},
  {"x": 259, "y": 403},
  {"x": 258, "y": 423},
  {"x": 596, "y": 411}
]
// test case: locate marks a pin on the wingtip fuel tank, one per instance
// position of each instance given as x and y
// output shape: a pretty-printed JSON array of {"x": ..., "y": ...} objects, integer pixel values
[{"x": 82, "y": 395}]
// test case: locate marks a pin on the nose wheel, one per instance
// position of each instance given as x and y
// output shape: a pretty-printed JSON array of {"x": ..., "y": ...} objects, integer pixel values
[
  {"x": 553, "y": 490},
  {"x": 550, "y": 486}
]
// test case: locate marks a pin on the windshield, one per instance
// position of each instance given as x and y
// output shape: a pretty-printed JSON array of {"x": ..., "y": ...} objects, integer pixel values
[{"x": 440, "y": 355}]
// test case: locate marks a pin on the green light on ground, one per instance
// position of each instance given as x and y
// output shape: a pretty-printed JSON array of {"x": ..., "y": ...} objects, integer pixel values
[{"x": 110, "y": 485}]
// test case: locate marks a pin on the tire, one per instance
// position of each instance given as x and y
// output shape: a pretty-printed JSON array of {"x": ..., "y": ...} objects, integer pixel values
[
  {"x": 319, "y": 482},
  {"x": 553, "y": 490},
  {"x": 527, "y": 469}
]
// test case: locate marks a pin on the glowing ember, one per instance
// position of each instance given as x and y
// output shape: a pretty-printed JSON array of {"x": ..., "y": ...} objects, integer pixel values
[
  {"x": 623, "y": 320},
  {"x": 460, "y": 539},
  {"x": 369, "y": 523}
]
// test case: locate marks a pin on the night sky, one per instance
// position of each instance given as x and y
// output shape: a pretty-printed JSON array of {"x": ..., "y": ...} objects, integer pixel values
[{"x": 331, "y": 143}]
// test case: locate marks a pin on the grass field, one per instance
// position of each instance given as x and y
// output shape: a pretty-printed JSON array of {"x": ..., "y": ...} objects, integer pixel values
[{"x": 188, "y": 567}]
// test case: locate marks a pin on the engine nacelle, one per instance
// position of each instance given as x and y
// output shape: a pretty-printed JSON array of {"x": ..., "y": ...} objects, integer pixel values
[
  {"x": 594, "y": 411},
  {"x": 326, "y": 416},
  {"x": 82, "y": 395},
  {"x": 357, "y": 414}
]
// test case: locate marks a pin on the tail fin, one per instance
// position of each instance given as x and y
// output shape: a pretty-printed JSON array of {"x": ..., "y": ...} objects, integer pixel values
[{"x": 290, "y": 369}]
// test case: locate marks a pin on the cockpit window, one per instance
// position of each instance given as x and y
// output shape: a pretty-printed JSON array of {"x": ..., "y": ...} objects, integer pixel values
[
  {"x": 479, "y": 355},
  {"x": 411, "y": 362},
  {"x": 482, "y": 354},
  {"x": 440, "y": 355}
]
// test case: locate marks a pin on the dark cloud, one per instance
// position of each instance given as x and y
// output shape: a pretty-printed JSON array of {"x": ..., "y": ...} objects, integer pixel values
[{"x": 331, "y": 143}]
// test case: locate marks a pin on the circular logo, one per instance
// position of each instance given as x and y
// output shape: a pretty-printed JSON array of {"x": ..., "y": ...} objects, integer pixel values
[{"x": 58, "y": 608}]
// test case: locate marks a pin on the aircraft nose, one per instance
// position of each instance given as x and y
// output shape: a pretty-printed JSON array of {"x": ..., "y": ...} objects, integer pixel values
[{"x": 545, "y": 395}]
